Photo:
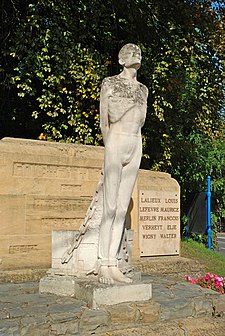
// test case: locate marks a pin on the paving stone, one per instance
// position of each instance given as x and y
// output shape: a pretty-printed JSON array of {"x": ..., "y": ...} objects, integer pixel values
[
  {"x": 175, "y": 309},
  {"x": 93, "y": 320},
  {"x": 202, "y": 307},
  {"x": 156, "y": 280},
  {"x": 219, "y": 305},
  {"x": 15, "y": 312},
  {"x": 162, "y": 294},
  {"x": 8, "y": 287},
  {"x": 5, "y": 306},
  {"x": 190, "y": 291},
  {"x": 23, "y": 298},
  {"x": 3, "y": 314},
  {"x": 64, "y": 317},
  {"x": 69, "y": 300},
  {"x": 35, "y": 326},
  {"x": 9, "y": 328},
  {"x": 32, "y": 310},
  {"x": 30, "y": 284},
  {"x": 64, "y": 308},
  {"x": 35, "y": 330},
  {"x": 65, "y": 328},
  {"x": 150, "y": 312},
  {"x": 124, "y": 313},
  {"x": 34, "y": 320}
]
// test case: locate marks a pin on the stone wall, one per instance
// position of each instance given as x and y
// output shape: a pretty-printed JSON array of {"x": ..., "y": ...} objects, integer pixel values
[{"x": 47, "y": 186}]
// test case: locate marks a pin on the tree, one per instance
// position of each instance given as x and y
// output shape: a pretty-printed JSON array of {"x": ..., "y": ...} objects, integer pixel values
[{"x": 55, "y": 54}]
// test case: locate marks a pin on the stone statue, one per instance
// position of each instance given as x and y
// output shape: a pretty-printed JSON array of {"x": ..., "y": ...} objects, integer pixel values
[{"x": 123, "y": 103}]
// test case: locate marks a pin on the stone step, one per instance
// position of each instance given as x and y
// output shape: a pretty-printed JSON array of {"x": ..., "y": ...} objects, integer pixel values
[
  {"x": 22, "y": 275},
  {"x": 171, "y": 265},
  {"x": 175, "y": 266}
]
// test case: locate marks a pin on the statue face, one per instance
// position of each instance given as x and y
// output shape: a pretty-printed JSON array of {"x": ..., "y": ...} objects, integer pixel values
[
  {"x": 133, "y": 59},
  {"x": 130, "y": 56}
]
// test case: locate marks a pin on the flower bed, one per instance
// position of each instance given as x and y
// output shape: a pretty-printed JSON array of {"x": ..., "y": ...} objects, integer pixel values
[{"x": 211, "y": 281}]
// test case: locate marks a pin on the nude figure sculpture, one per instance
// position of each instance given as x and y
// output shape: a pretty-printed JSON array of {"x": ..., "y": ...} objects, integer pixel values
[{"x": 123, "y": 103}]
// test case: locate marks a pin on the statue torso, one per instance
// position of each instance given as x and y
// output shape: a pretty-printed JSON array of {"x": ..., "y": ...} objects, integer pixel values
[{"x": 127, "y": 101}]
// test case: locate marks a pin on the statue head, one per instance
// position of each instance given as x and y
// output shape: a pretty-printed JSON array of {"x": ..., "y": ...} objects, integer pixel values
[{"x": 130, "y": 56}]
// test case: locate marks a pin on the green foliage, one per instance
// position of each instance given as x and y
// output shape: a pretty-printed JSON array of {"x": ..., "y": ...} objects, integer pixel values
[
  {"x": 58, "y": 77},
  {"x": 56, "y": 53},
  {"x": 205, "y": 157}
]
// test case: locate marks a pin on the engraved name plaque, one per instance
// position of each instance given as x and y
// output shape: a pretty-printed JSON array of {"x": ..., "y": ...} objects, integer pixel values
[{"x": 159, "y": 223}]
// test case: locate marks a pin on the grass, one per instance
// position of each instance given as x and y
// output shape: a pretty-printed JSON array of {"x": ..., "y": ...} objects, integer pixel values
[{"x": 212, "y": 260}]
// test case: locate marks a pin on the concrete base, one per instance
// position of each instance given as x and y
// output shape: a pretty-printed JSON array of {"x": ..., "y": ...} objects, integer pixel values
[{"x": 94, "y": 293}]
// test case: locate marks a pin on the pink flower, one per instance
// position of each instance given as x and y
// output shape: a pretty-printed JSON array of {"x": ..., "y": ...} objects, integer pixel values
[{"x": 210, "y": 280}]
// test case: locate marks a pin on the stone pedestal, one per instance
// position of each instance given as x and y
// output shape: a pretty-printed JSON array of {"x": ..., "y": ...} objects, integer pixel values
[{"x": 94, "y": 293}]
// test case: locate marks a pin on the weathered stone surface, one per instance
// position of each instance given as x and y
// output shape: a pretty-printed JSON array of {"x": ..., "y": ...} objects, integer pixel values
[
  {"x": 204, "y": 326},
  {"x": 15, "y": 312},
  {"x": 34, "y": 320},
  {"x": 202, "y": 307},
  {"x": 65, "y": 328},
  {"x": 72, "y": 308},
  {"x": 94, "y": 320},
  {"x": 9, "y": 328},
  {"x": 219, "y": 305},
  {"x": 38, "y": 309},
  {"x": 175, "y": 309},
  {"x": 150, "y": 311},
  {"x": 124, "y": 313},
  {"x": 35, "y": 330},
  {"x": 121, "y": 293},
  {"x": 4, "y": 314},
  {"x": 61, "y": 285},
  {"x": 23, "y": 298}
]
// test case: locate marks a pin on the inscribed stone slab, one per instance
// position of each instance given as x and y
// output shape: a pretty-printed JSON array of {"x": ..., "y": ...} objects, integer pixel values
[
  {"x": 12, "y": 214},
  {"x": 159, "y": 218},
  {"x": 47, "y": 213},
  {"x": 24, "y": 251},
  {"x": 44, "y": 186}
]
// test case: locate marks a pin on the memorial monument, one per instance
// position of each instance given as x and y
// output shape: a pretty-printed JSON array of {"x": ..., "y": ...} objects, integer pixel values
[{"x": 102, "y": 246}]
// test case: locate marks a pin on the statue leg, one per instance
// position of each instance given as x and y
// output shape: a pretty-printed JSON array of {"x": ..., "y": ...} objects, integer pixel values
[
  {"x": 118, "y": 186},
  {"x": 112, "y": 177},
  {"x": 110, "y": 195},
  {"x": 128, "y": 178}
]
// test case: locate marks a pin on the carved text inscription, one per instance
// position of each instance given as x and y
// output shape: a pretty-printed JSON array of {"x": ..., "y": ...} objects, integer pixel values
[{"x": 159, "y": 222}]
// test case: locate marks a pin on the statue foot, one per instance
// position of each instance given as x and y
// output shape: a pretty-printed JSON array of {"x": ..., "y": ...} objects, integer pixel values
[
  {"x": 105, "y": 276},
  {"x": 117, "y": 275}
]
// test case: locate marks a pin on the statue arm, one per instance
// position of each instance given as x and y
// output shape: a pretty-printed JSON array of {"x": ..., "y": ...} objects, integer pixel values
[{"x": 104, "y": 116}]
